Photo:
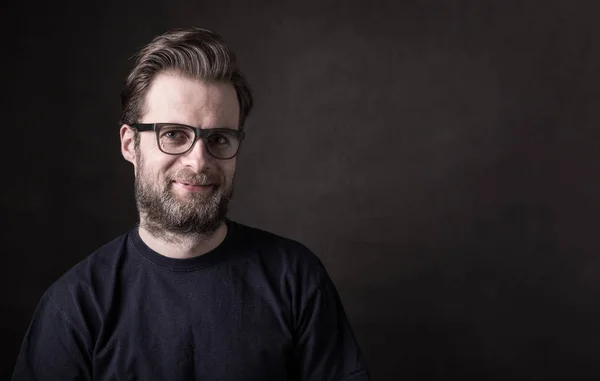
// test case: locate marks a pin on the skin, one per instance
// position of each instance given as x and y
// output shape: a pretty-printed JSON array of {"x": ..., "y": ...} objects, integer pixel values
[{"x": 178, "y": 99}]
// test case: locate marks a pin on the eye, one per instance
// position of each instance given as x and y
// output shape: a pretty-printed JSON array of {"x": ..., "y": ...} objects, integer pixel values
[
  {"x": 174, "y": 134},
  {"x": 218, "y": 139}
]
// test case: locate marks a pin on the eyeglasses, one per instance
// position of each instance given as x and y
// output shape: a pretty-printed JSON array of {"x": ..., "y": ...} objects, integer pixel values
[{"x": 177, "y": 139}]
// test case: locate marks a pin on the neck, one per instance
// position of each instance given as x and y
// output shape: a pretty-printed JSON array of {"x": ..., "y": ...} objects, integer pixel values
[{"x": 182, "y": 246}]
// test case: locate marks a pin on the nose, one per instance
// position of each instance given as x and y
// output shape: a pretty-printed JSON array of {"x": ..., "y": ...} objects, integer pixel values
[{"x": 197, "y": 158}]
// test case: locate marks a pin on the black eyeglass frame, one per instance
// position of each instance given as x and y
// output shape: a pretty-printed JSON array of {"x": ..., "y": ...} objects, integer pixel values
[{"x": 199, "y": 133}]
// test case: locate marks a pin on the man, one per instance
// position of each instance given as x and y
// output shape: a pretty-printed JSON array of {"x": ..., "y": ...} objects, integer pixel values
[{"x": 190, "y": 294}]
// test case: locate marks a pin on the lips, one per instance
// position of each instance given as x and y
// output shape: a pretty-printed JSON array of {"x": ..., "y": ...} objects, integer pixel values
[
  {"x": 192, "y": 184},
  {"x": 188, "y": 186},
  {"x": 193, "y": 181}
]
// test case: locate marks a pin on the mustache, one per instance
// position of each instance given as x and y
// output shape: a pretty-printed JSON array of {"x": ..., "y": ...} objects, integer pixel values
[{"x": 189, "y": 177}]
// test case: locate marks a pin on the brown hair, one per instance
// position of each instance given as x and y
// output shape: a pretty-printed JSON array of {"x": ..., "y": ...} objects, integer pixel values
[{"x": 195, "y": 52}]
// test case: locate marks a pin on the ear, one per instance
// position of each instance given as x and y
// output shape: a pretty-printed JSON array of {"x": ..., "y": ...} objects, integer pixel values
[{"x": 127, "y": 144}]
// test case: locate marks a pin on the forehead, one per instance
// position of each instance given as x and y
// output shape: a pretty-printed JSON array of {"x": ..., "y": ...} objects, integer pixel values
[{"x": 180, "y": 99}]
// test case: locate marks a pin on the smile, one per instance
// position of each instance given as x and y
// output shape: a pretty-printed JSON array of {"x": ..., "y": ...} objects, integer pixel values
[{"x": 193, "y": 187}]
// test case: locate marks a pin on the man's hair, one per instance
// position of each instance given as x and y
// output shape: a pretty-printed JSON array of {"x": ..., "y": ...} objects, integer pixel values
[{"x": 195, "y": 53}]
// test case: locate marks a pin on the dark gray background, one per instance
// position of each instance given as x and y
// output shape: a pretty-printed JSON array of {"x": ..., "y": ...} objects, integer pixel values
[{"x": 441, "y": 158}]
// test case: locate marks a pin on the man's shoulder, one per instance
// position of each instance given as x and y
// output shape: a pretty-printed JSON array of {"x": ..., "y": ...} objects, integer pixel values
[
  {"x": 82, "y": 294},
  {"x": 265, "y": 239},
  {"x": 91, "y": 273},
  {"x": 275, "y": 246}
]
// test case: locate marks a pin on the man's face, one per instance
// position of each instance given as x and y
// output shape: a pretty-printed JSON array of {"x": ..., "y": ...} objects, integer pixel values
[{"x": 188, "y": 193}]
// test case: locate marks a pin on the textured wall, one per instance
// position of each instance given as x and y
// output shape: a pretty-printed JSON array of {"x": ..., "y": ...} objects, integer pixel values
[{"x": 441, "y": 158}]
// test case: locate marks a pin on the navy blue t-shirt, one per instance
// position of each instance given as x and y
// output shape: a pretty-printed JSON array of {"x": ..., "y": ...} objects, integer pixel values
[{"x": 258, "y": 307}]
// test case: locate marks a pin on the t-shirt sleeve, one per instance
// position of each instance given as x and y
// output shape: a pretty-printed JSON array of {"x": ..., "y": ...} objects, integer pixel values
[
  {"x": 53, "y": 348},
  {"x": 325, "y": 347}
]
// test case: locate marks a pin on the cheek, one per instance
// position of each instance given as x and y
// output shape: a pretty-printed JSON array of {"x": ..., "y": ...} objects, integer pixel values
[
  {"x": 156, "y": 168},
  {"x": 228, "y": 169}
]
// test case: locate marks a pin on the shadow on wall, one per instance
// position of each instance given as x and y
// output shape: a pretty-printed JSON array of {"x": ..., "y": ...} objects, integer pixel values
[{"x": 498, "y": 301}]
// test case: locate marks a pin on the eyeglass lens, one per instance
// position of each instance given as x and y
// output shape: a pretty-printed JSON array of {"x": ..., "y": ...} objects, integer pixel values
[{"x": 178, "y": 139}]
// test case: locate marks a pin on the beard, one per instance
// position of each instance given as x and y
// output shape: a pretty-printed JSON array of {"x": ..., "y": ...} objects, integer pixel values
[{"x": 169, "y": 216}]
